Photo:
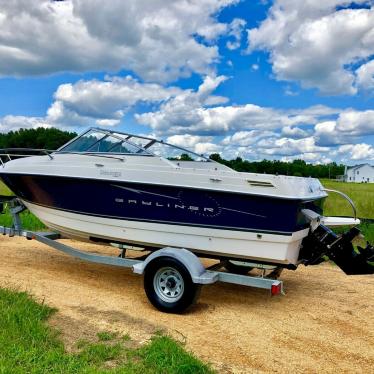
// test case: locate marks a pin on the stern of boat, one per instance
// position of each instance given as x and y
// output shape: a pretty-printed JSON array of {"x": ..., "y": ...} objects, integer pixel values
[{"x": 323, "y": 244}]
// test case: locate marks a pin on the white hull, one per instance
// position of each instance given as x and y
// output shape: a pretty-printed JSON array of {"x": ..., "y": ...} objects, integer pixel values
[{"x": 237, "y": 244}]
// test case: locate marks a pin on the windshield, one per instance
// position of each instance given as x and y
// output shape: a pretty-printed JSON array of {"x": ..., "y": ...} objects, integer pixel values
[
  {"x": 100, "y": 142},
  {"x": 105, "y": 141}
]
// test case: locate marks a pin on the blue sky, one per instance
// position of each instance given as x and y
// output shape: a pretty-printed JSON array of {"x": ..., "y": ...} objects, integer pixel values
[{"x": 279, "y": 79}]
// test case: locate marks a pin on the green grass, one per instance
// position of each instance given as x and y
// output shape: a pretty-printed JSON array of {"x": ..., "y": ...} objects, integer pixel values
[
  {"x": 29, "y": 345},
  {"x": 163, "y": 356},
  {"x": 362, "y": 195},
  {"x": 105, "y": 336},
  {"x": 29, "y": 221},
  {"x": 4, "y": 190},
  {"x": 367, "y": 230}
]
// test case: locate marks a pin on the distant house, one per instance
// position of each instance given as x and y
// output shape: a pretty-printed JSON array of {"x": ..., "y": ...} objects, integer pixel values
[{"x": 363, "y": 173}]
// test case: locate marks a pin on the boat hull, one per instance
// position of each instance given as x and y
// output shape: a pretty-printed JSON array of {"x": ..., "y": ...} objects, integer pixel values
[
  {"x": 125, "y": 200},
  {"x": 209, "y": 221},
  {"x": 283, "y": 249}
]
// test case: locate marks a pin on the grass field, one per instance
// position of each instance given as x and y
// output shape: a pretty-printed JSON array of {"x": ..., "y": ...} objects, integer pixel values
[
  {"x": 362, "y": 195},
  {"x": 4, "y": 190},
  {"x": 29, "y": 221},
  {"x": 29, "y": 345}
]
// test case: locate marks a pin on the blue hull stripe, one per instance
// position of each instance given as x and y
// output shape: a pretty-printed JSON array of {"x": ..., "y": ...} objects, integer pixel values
[
  {"x": 173, "y": 223},
  {"x": 163, "y": 204}
]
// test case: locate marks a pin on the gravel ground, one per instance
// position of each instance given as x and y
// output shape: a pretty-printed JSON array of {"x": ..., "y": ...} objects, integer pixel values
[{"x": 324, "y": 323}]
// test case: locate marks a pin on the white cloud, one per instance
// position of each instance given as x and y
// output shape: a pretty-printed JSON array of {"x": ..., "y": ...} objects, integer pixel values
[
  {"x": 94, "y": 102},
  {"x": 189, "y": 112},
  {"x": 294, "y": 132},
  {"x": 197, "y": 119},
  {"x": 354, "y": 122},
  {"x": 360, "y": 151},
  {"x": 105, "y": 103},
  {"x": 257, "y": 145},
  {"x": 236, "y": 29},
  {"x": 289, "y": 147},
  {"x": 288, "y": 91},
  {"x": 257, "y": 132},
  {"x": 111, "y": 98},
  {"x": 11, "y": 123},
  {"x": 246, "y": 138},
  {"x": 327, "y": 134},
  {"x": 314, "y": 158},
  {"x": 155, "y": 39},
  {"x": 365, "y": 76},
  {"x": 199, "y": 144},
  {"x": 187, "y": 140},
  {"x": 107, "y": 122},
  {"x": 316, "y": 43}
]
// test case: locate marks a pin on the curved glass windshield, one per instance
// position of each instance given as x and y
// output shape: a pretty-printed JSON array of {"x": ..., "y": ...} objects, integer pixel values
[
  {"x": 105, "y": 141},
  {"x": 100, "y": 142}
]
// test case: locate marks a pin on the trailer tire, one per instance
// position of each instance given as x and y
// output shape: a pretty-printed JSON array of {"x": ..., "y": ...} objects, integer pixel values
[
  {"x": 237, "y": 269},
  {"x": 169, "y": 286}
]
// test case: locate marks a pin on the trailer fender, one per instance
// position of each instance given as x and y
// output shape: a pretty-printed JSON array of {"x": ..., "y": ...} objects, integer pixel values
[{"x": 187, "y": 258}]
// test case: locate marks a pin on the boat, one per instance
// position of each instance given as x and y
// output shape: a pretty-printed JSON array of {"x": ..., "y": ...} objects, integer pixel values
[{"x": 128, "y": 190}]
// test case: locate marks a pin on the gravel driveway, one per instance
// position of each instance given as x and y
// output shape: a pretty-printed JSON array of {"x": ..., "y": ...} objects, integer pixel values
[{"x": 324, "y": 324}]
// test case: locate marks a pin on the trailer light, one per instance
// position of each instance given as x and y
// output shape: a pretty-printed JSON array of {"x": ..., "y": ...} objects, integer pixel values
[{"x": 276, "y": 288}]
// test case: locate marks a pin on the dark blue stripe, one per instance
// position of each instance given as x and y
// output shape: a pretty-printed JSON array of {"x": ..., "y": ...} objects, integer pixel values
[
  {"x": 173, "y": 223},
  {"x": 163, "y": 204}
]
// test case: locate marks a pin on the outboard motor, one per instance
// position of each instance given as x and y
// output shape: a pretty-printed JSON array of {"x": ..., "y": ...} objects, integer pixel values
[{"x": 322, "y": 242}]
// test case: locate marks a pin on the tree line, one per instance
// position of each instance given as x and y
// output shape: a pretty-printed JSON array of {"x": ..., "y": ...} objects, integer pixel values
[
  {"x": 39, "y": 138},
  {"x": 298, "y": 168},
  {"x": 52, "y": 138}
]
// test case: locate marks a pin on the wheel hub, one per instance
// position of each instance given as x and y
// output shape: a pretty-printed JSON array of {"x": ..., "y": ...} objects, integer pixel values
[
  {"x": 171, "y": 283},
  {"x": 168, "y": 284}
]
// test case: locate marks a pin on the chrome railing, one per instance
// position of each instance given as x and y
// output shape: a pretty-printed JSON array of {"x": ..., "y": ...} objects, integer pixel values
[
  {"x": 10, "y": 153},
  {"x": 346, "y": 197}
]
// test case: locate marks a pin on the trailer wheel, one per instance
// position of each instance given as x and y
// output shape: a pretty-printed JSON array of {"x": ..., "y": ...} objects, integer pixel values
[
  {"x": 168, "y": 285},
  {"x": 234, "y": 267}
]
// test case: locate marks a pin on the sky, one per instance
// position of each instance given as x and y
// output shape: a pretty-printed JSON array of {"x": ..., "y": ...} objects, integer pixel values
[{"x": 282, "y": 79}]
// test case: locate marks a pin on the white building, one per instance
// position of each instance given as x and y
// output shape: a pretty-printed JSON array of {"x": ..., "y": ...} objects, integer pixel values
[{"x": 363, "y": 173}]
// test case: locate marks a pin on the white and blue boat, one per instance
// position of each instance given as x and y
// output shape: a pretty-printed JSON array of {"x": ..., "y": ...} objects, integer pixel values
[{"x": 114, "y": 187}]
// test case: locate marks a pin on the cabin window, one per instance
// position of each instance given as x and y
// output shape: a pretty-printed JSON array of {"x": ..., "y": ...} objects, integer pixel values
[{"x": 358, "y": 172}]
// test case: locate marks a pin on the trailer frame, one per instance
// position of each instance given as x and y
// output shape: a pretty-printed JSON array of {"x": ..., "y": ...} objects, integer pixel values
[{"x": 200, "y": 274}]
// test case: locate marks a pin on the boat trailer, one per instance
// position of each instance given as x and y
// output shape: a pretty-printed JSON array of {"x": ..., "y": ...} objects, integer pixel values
[{"x": 172, "y": 276}]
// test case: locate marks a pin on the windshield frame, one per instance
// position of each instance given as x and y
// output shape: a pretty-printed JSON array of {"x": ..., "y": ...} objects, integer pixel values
[{"x": 124, "y": 137}]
